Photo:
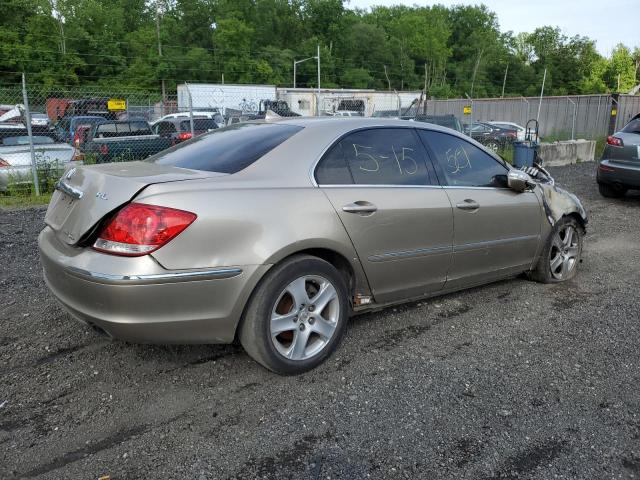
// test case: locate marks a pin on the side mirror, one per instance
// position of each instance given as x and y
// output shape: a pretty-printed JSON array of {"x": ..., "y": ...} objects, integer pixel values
[{"x": 518, "y": 180}]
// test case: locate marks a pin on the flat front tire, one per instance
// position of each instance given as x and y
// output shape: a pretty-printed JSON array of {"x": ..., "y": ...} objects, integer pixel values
[{"x": 297, "y": 316}]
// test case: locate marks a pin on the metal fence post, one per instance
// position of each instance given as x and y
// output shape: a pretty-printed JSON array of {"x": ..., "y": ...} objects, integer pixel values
[
  {"x": 190, "y": 109},
  {"x": 573, "y": 121},
  {"x": 27, "y": 120}
]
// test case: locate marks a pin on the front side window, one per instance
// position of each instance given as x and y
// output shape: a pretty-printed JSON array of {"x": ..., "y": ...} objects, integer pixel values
[
  {"x": 227, "y": 150},
  {"x": 464, "y": 164},
  {"x": 380, "y": 156}
]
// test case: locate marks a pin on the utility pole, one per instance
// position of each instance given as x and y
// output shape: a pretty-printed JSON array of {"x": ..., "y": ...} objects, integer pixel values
[
  {"x": 504, "y": 81},
  {"x": 318, "y": 57},
  {"x": 475, "y": 70},
  {"x": 544, "y": 78},
  {"x": 164, "y": 93}
]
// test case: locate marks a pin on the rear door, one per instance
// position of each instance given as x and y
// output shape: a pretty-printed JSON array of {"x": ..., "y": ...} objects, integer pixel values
[
  {"x": 496, "y": 230},
  {"x": 398, "y": 218}
]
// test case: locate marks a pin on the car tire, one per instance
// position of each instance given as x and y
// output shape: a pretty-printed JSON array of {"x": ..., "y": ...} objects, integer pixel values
[
  {"x": 493, "y": 146},
  {"x": 287, "y": 326},
  {"x": 610, "y": 191},
  {"x": 561, "y": 255}
]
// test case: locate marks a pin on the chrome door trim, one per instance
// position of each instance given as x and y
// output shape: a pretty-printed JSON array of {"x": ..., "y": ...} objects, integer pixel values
[
  {"x": 419, "y": 252},
  {"x": 492, "y": 243},
  {"x": 169, "y": 277}
]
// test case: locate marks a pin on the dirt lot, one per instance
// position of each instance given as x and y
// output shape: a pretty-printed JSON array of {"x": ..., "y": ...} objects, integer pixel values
[{"x": 512, "y": 380}]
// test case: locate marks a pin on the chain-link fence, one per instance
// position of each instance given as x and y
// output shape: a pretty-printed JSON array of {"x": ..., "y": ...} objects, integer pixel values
[{"x": 42, "y": 128}]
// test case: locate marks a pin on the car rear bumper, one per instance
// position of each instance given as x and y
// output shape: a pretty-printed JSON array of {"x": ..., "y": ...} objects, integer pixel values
[
  {"x": 614, "y": 172},
  {"x": 137, "y": 300}
]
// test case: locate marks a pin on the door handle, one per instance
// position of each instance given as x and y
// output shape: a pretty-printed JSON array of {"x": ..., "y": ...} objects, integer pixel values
[
  {"x": 360, "y": 207},
  {"x": 468, "y": 204}
]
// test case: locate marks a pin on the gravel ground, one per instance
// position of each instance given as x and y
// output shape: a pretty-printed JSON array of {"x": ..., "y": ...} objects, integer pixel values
[{"x": 511, "y": 380}]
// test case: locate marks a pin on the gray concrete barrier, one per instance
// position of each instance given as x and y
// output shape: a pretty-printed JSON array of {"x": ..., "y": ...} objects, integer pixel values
[{"x": 566, "y": 153}]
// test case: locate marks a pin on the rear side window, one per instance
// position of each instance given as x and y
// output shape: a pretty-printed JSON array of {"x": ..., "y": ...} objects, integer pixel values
[
  {"x": 380, "y": 156},
  {"x": 464, "y": 164},
  {"x": 227, "y": 150},
  {"x": 106, "y": 130},
  {"x": 139, "y": 128},
  {"x": 632, "y": 127},
  {"x": 199, "y": 124}
]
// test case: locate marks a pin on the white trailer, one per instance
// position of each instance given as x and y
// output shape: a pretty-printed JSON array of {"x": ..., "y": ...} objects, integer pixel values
[{"x": 243, "y": 98}]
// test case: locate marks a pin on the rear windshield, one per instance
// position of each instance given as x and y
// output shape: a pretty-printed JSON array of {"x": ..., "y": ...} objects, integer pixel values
[
  {"x": 199, "y": 124},
  {"x": 227, "y": 150},
  {"x": 632, "y": 127}
]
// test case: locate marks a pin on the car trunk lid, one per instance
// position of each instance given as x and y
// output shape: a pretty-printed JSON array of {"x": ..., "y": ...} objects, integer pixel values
[
  {"x": 86, "y": 194},
  {"x": 629, "y": 152}
]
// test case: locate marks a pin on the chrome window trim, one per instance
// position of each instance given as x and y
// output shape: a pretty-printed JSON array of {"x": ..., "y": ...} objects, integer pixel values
[
  {"x": 169, "y": 277},
  {"x": 374, "y": 185}
]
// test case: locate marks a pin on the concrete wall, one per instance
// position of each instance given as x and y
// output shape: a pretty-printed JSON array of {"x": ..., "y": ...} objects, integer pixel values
[{"x": 567, "y": 153}]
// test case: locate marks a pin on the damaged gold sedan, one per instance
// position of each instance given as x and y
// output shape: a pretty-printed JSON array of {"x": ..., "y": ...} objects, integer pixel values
[{"x": 276, "y": 232}]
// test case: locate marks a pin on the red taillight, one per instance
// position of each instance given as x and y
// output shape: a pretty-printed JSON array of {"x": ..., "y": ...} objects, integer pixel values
[
  {"x": 606, "y": 168},
  {"x": 4, "y": 163},
  {"x": 104, "y": 149},
  {"x": 139, "y": 229},
  {"x": 185, "y": 135},
  {"x": 615, "y": 141}
]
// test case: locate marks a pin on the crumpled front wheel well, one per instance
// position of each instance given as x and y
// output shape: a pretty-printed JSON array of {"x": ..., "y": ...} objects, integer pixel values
[{"x": 581, "y": 221}]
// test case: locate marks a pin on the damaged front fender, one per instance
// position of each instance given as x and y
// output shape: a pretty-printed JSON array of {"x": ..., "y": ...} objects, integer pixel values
[{"x": 557, "y": 202}]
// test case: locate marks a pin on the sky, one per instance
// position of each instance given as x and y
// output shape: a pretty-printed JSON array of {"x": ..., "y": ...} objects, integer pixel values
[{"x": 608, "y": 22}]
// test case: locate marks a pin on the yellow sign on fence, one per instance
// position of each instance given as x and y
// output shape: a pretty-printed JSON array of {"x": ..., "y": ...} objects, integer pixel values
[
  {"x": 466, "y": 109},
  {"x": 116, "y": 104}
]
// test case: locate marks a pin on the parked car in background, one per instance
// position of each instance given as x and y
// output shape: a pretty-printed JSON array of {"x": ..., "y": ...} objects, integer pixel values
[
  {"x": 64, "y": 130},
  {"x": 275, "y": 233},
  {"x": 124, "y": 141},
  {"x": 347, "y": 113},
  {"x": 520, "y": 130},
  {"x": 619, "y": 169},
  {"x": 179, "y": 129},
  {"x": 449, "y": 121},
  {"x": 40, "y": 123},
  {"x": 493, "y": 137},
  {"x": 40, "y": 120},
  {"x": 213, "y": 114},
  {"x": 15, "y": 157}
]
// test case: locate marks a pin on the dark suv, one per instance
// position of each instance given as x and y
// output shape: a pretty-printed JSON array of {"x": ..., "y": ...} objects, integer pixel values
[{"x": 619, "y": 169}]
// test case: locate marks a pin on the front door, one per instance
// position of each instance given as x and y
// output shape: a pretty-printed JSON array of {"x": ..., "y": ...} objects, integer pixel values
[
  {"x": 398, "y": 218},
  {"x": 496, "y": 230}
]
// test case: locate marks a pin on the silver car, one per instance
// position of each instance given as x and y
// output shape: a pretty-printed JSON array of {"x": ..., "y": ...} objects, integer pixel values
[{"x": 276, "y": 232}]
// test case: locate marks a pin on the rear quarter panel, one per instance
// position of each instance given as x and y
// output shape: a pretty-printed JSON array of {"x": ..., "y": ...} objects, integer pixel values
[{"x": 247, "y": 226}]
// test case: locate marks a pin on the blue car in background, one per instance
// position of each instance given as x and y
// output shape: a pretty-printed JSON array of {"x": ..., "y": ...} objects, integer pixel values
[{"x": 65, "y": 129}]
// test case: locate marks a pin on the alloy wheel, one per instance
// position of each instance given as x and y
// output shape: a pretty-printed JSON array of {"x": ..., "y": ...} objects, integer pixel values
[
  {"x": 304, "y": 317},
  {"x": 565, "y": 250}
]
